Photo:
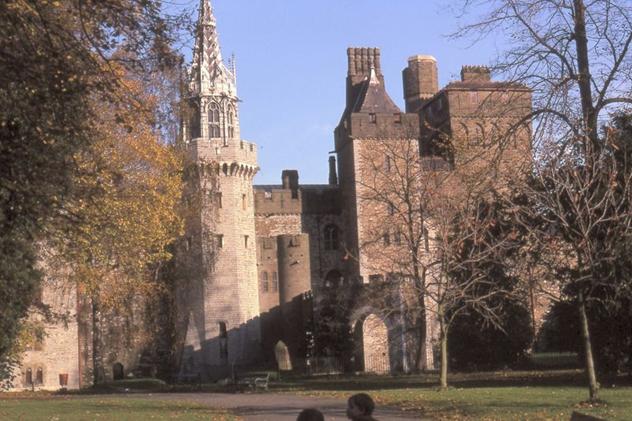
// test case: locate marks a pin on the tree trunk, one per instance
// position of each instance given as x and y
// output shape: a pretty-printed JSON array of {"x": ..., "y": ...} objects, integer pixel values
[
  {"x": 421, "y": 363},
  {"x": 443, "y": 377},
  {"x": 97, "y": 359},
  {"x": 420, "y": 285},
  {"x": 583, "y": 68},
  {"x": 593, "y": 385}
]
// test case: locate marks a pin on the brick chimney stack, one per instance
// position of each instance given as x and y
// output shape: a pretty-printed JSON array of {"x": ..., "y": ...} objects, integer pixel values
[
  {"x": 475, "y": 74},
  {"x": 289, "y": 180},
  {"x": 360, "y": 62}
]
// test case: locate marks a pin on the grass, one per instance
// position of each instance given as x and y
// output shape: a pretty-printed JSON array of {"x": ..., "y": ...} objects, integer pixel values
[
  {"x": 512, "y": 395},
  {"x": 501, "y": 395},
  {"x": 507, "y": 403},
  {"x": 74, "y": 408}
]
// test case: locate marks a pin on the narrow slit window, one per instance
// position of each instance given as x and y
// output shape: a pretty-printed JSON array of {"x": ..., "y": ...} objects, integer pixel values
[
  {"x": 331, "y": 237},
  {"x": 264, "y": 282}
]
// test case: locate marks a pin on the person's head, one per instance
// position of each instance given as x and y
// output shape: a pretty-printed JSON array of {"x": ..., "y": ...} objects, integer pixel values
[
  {"x": 310, "y": 414},
  {"x": 359, "y": 405}
]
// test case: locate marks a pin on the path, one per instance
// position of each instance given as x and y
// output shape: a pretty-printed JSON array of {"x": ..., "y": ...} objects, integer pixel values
[{"x": 279, "y": 407}]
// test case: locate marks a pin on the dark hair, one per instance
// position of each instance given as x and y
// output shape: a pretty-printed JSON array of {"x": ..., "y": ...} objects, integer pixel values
[
  {"x": 363, "y": 402},
  {"x": 310, "y": 414}
]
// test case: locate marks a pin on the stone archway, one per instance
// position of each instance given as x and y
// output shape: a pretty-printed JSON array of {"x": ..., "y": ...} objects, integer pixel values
[
  {"x": 375, "y": 346},
  {"x": 118, "y": 372},
  {"x": 282, "y": 356}
]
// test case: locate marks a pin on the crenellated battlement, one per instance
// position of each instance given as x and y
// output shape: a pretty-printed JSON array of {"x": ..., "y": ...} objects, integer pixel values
[
  {"x": 276, "y": 200},
  {"x": 236, "y": 158}
]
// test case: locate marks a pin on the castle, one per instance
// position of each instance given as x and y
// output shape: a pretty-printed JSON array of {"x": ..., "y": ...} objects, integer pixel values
[{"x": 262, "y": 267}]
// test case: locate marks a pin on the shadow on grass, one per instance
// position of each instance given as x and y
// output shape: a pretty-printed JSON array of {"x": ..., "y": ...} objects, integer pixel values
[{"x": 555, "y": 378}]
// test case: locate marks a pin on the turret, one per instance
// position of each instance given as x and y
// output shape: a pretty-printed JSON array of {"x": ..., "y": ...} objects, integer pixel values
[
  {"x": 219, "y": 301},
  {"x": 420, "y": 81}
]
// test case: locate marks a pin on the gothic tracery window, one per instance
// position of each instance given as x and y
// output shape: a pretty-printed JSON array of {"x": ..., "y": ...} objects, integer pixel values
[{"x": 213, "y": 121}]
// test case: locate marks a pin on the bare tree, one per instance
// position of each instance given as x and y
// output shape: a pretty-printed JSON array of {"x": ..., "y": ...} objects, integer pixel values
[
  {"x": 471, "y": 253},
  {"x": 435, "y": 234},
  {"x": 392, "y": 239},
  {"x": 576, "y": 58}
]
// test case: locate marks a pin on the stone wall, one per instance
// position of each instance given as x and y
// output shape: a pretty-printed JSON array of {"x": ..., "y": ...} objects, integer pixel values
[{"x": 58, "y": 353}]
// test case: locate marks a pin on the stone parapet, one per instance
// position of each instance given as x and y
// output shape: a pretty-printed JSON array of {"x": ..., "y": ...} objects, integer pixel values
[{"x": 214, "y": 150}]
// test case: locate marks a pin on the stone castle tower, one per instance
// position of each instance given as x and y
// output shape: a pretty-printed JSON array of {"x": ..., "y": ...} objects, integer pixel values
[{"x": 219, "y": 302}]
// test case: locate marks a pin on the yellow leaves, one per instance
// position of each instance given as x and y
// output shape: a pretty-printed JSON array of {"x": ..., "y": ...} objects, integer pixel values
[{"x": 130, "y": 189}]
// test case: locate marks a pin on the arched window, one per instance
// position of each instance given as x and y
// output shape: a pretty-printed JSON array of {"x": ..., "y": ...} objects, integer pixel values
[
  {"x": 39, "y": 376},
  {"x": 331, "y": 237},
  {"x": 465, "y": 133},
  {"x": 213, "y": 121},
  {"x": 478, "y": 138},
  {"x": 28, "y": 377}
]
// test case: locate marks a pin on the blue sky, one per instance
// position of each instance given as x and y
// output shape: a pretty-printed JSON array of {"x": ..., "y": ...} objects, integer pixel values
[{"x": 291, "y": 66}]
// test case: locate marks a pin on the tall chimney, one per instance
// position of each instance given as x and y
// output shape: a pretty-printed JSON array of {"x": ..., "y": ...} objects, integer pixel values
[
  {"x": 289, "y": 179},
  {"x": 333, "y": 177},
  {"x": 421, "y": 81}
]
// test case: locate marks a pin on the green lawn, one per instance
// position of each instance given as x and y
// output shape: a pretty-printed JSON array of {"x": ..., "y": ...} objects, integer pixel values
[
  {"x": 520, "y": 395},
  {"x": 508, "y": 403},
  {"x": 75, "y": 408}
]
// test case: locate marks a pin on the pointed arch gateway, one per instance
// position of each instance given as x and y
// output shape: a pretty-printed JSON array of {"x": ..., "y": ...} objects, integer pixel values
[
  {"x": 282, "y": 356},
  {"x": 371, "y": 345}
]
